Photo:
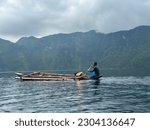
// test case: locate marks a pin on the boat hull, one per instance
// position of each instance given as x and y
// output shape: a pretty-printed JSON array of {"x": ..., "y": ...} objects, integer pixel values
[{"x": 40, "y": 76}]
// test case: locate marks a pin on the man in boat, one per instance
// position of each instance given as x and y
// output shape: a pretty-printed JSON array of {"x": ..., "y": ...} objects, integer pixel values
[{"x": 94, "y": 71}]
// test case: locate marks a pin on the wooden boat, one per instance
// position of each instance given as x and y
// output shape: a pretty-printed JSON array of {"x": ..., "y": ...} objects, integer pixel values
[{"x": 41, "y": 76}]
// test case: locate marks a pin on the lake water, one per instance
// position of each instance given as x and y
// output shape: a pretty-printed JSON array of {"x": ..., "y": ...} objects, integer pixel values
[{"x": 111, "y": 94}]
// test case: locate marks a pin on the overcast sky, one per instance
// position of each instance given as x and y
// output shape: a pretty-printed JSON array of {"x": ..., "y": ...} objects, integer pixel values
[{"x": 19, "y": 18}]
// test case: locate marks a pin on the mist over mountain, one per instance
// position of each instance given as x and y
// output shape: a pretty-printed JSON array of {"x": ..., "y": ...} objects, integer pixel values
[{"x": 119, "y": 53}]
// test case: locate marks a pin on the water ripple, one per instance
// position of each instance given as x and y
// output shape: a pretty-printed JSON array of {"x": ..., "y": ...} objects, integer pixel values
[{"x": 112, "y": 94}]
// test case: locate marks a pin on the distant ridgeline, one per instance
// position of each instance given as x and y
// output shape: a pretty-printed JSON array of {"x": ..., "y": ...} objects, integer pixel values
[{"x": 118, "y": 53}]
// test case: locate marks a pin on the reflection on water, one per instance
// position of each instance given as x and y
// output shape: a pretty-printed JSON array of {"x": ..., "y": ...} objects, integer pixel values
[
  {"x": 111, "y": 94},
  {"x": 97, "y": 82},
  {"x": 88, "y": 95}
]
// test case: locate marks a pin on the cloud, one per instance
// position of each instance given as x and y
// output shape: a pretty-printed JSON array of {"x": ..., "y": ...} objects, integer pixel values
[
  {"x": 43, "y": 17},
  {"x": 29, "y": 17}
]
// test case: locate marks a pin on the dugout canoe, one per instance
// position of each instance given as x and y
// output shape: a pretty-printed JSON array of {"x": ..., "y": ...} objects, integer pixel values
[{"x": 41, "y": 76}]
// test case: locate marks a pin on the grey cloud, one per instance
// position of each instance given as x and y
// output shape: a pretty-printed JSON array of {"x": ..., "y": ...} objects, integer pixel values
[
  {"x": 28, "y": 16},
  {"x": 43, "y": 17}
]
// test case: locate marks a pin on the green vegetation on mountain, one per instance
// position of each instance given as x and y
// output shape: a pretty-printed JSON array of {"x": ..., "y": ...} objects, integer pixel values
[{"x": 118, "y": 53}]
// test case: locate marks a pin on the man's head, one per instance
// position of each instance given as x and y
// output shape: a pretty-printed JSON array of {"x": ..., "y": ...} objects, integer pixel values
[{"x": 95, "y": 64}]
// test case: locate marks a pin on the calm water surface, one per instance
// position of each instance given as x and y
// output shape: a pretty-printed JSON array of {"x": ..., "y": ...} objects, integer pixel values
[{"x": 111, "y": 94}]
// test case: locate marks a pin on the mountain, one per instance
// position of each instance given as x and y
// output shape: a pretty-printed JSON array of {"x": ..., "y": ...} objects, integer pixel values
[
  {"x": 120, "y": 53},
  {"x": 6, "y": 48}
]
